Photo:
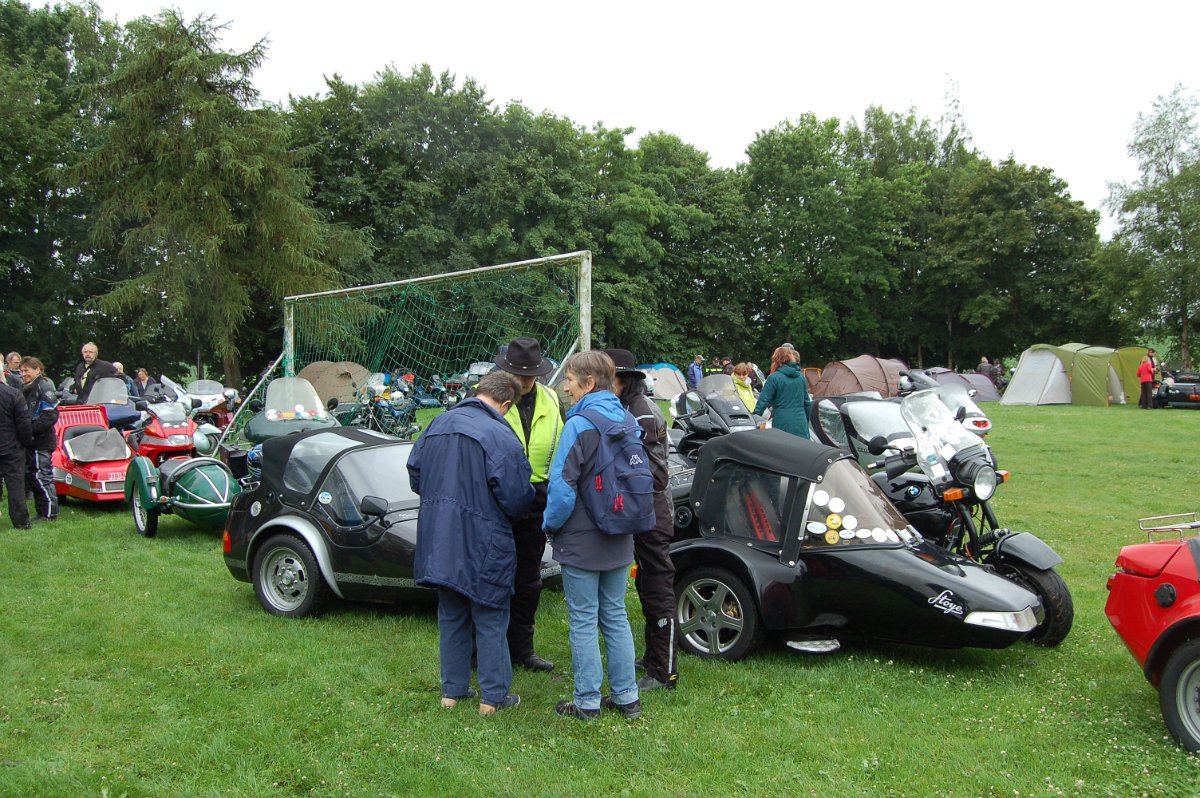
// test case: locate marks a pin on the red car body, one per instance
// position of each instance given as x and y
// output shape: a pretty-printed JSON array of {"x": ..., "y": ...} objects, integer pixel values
[
  {"x": 1154, "y": 605},
  {"x": 76, "y": 473}
]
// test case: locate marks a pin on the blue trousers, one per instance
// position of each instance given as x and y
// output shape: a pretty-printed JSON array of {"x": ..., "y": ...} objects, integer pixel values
[
  {"x": 596, "y": 601},
  {"x": 462, "y": 622}
]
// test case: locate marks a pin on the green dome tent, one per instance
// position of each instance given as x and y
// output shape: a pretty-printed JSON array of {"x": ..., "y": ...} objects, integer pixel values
[{"x": 1074, "y": 374}]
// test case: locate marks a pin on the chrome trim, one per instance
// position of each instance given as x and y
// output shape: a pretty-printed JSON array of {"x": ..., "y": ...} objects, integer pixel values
[{"x": 382, "y": 581}]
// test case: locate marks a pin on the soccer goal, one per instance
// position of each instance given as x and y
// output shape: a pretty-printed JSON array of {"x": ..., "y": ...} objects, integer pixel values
[{"x": 441, "y": 323}]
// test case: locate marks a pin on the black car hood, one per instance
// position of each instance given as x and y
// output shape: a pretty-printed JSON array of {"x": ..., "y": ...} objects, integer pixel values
[{"x": 769, "y": 450}]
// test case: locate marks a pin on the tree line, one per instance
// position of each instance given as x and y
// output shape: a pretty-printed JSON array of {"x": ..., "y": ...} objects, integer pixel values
[{"x": 151, "y": 203}]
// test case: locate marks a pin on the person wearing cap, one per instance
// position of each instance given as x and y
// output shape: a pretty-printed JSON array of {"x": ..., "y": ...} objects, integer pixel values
[
  {"x": 537, "y": 418},
  {"x": 655, "y": 580}
]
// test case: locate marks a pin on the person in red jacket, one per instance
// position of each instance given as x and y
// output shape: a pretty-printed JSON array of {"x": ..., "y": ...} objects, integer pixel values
[{"x": 1146, "y": 377}]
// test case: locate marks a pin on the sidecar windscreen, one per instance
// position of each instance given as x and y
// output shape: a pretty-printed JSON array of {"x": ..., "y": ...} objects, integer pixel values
[
  {"x": 848, "y": 508},
  {"x": 292, "y": 464}
]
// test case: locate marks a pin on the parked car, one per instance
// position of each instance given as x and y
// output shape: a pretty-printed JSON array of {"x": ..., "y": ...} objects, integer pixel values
[
  {"x": 1154, "y": 605},
  {"x": 796, "y": 539},
  {"x": 332, "y": 515},
  {"x": 1179, "y": 389}
]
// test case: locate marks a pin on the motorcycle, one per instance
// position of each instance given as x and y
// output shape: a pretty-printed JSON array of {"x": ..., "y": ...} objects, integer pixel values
[
  {"x": 712, "y": 409},
  {"x": 197, "y": 489},
  {"x": 942, "y": 479},
  {"x": 216, "y": 402},
  {"x": 958, "y": 398},
  {"x": 165, "y": 430},
  {"x": 380, "y": 407}
]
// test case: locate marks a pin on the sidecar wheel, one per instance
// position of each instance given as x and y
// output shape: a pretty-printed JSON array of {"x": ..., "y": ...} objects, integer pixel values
[
  {"x": 1056, "y": 600},
  {"x": 144, "y": 521},
  {"x": 287, "y": 579},
  {"x": 1179, "y": 694},
  {"x": 716, "y": 614}
]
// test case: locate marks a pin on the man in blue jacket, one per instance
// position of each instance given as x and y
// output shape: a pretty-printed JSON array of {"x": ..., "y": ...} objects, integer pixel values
[{"x": 473, "y": 478}]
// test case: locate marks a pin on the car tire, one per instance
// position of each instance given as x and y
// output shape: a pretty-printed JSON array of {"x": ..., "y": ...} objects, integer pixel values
[
  {"x": 1179, "y": 694},
  {"x": 144, "y": 521},
  {"x": 716, "y": 613},
  {"x": 287, "y": 579},
  {"x": 1056, "y": 601}
]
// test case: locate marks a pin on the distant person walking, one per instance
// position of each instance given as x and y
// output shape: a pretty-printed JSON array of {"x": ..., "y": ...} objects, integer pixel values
[
  {"x": 1145, "y": 374},
  {"x": 785, "y": 394},
  {"x": 473, "y": 478}
]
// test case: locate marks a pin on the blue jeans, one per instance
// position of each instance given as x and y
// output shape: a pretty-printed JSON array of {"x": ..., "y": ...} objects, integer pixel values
[
  {"x": 456, "y": 616},
  {"x": 596, "y": 600}
]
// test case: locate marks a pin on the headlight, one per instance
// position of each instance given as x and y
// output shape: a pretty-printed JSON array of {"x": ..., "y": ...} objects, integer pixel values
[
  {"x": 984, "y": 484},
  {"x": 1023, "y": 621}
]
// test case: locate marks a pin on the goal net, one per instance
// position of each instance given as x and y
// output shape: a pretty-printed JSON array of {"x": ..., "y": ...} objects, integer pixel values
[{"x": 439, "y": 324}]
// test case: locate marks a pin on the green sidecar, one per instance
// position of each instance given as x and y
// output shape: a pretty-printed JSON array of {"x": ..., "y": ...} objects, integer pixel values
[{"x": 197, "y": 489}]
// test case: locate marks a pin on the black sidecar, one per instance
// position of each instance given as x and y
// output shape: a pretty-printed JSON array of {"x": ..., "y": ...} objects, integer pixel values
[{"x": 796, "y": 539}]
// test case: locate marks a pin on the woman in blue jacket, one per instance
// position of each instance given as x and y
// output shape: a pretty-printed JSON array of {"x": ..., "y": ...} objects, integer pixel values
[{"x": 594, "y": 564}]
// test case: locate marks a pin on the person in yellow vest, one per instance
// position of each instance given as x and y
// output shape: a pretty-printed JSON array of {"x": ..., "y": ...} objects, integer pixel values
[{"x": 537, "y": 418}]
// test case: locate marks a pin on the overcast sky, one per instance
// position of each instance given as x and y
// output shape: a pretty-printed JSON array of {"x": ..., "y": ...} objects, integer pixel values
[{"x": 1055, "y": 84}]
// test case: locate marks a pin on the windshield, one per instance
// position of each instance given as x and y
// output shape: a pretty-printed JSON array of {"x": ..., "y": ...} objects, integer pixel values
[
  {"x": 367, "y": 472},
  {"x": 937, "y": 436},
  {"x": 878, "y": 418},
  {"x": 293, "y": 397},
  {"x": 847, "y": 508},
  {"x": 204, "y": 387},
  {"x": 169, "y": 412},
  {"x": 720, "y": 384},
  {"x": 109, "y": 391}
]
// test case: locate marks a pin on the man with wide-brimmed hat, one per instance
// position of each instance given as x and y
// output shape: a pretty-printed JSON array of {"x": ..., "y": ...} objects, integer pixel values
[
  {"x": 655, "y": 580},
  {"x": 537, "y": 418}
]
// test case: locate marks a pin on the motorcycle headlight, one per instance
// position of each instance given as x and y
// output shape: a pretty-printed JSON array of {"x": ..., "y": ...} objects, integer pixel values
[{"x": 979, "y": 476}]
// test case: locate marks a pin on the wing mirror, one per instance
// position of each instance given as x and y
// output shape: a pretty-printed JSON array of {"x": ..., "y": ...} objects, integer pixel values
[{"x": 373, "y": 507}]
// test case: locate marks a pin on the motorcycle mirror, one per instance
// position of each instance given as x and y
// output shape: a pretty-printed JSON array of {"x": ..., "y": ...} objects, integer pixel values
[
  {"x": 256, "y": 405},
  {"x": 877, "y": 445},
  {"x": 196, "y": 403},
  {"x": 960, "y": 414},
  {"x": 332, "y": 403},
  {"x": 141, "y": 404}
]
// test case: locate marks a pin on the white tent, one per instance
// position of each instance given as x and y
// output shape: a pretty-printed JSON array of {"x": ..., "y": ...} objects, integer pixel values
[{"x": 668, "y": 379}]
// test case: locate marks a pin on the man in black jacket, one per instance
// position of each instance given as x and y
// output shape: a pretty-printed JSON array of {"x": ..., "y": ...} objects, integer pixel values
[
  {"x": 90, "y": 369},
  {"x": 42, "y": 402},
  {"x": 15, "y": 437}
]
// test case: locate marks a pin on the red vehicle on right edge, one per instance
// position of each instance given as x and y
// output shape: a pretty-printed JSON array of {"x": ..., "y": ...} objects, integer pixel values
[{"x": 1154, "y": 605}]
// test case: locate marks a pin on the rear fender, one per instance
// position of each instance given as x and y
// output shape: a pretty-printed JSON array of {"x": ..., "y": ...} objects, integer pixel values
[
  {"x": 761, "y": 571},
  {"x": 1026, "y": 548},
  {"x": 1182, "y": 631},
  {"x": 142, "y": 482},
  {"x": 303, "y": 528}
]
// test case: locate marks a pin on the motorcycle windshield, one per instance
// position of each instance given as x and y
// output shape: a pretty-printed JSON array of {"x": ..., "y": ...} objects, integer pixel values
[
  {"x": 205, "y": 387},
  {"x": 109, "y": 391},
  {"x": 170, "y": 413},
  {"x": 937, "y": 436},
  {"x": 293, "y": 397},
  {"x": 878, "y": 419},
  {"x": 719, "y": 384}
]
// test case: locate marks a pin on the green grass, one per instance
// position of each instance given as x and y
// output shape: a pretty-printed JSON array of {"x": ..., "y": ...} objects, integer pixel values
[{"x": 140, "y": 667}]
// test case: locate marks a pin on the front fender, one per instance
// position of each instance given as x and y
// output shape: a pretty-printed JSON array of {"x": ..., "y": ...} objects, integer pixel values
[
  {"x": 141, "y": 482},
  {"x": 304, "y": 529},
  {"x": 1028, "y": 549}
]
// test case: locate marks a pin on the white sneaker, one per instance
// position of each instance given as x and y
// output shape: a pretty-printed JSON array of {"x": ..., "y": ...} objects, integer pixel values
[{"x": 814, "y": 646}]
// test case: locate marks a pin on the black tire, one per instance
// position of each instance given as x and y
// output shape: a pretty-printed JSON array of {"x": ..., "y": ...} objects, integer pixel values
[
  {"x": 717, "y": 616},
  {"x": 287, "y": 579},
  {"x": 1179, "y": 694},
  {"x": 1056, "y": 601},
  {"x": 144, "y": 521}
]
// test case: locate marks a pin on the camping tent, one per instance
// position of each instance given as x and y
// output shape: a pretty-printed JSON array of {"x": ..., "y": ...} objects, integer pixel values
[
  {"x": 1071, "y": 374},
  {"x": 863, "y": 373},
  {"x": 335, "y": 380},
  {"x": 985, "y": 391},
  {"x": 668, "y": 379}
]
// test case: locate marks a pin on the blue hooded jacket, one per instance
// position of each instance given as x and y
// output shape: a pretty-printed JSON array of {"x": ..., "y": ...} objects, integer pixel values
[
  {"x": 574, "y": 537},
  {"x": 473, "y": 478}
]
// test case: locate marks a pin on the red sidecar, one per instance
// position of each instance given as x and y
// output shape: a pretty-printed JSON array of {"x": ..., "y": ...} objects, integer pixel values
[
  {"x": 1154, "y": 605},
  {"x": 89, "y": 459}
]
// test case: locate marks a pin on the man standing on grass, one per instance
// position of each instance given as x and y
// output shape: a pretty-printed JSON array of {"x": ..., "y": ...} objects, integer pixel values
[
  {"x": 473, "y": 478},
  {"x": 16, "y": 436}
]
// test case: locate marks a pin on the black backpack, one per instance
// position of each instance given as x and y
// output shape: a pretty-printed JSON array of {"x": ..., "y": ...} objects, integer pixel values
[{"x": 618, "y": 494}]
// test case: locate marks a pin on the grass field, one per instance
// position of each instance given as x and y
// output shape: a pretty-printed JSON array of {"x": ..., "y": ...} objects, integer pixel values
[{"x": 136, "y": 667}]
